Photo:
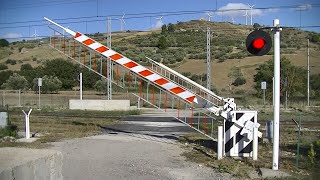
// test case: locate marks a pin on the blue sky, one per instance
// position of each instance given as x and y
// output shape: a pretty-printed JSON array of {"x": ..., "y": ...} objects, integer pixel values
[{"x": 30, "y": 14}]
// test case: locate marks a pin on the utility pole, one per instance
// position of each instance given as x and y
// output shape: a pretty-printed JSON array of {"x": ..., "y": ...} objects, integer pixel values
[
  {"x": 109, "y": 63},
  {"x": 308, "y": 64},
  {"x": 276, "y": 108},
  {"x": 208, "y": 59}
]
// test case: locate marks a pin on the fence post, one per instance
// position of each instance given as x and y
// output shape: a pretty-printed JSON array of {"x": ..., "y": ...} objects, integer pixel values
[
  {"x": 220, "y": 142},
  {"x": 255, "y": 144},
  {"x": 27, "y": 115}
]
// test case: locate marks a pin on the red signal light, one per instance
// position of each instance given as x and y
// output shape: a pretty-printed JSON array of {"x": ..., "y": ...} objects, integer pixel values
[{"x": 258, "y": 43}]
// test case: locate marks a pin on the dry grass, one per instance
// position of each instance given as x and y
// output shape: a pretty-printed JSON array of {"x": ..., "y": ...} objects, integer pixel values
[
  {"x": 202, "y": 150},
  {"x": 248, "y": 67},
  {"x": 53, "y": 129},
  {"x": 220, "y": 71}
]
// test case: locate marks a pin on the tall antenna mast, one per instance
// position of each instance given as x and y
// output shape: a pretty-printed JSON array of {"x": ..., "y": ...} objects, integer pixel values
[
  {"x": 122, "y": 23},
  {"x": 208, "y": 59},
  {"x": 109, "y": 63},
  {"x": 308, "y": 64}
]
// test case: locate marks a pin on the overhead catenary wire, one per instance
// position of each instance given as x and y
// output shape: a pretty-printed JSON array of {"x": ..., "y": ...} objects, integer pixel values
[
  {"x": 48, "y": 3},
  {"x": 165, "y": 13}
]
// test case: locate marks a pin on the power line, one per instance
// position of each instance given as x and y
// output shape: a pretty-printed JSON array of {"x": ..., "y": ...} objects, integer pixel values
[
  {"x": 165, "y": 13},
  {"x": 51, "y": 3},
  {"x": 140, "y": 16},
  {"x": 102, "y": 20}
]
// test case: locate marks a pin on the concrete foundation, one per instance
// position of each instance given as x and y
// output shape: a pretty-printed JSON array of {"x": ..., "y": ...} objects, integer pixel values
[
  {"x": 30, "y": 164},
  {"x": 100, "y": 105},
  {"x": 3, "y": 119}
]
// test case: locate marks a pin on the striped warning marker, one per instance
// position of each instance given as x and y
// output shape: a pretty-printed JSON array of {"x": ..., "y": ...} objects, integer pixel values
[
  {"x": 237, "y": 144},
  {"x": 137, "y": 68}
]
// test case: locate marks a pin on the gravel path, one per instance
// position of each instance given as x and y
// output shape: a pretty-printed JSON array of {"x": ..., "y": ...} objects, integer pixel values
[{"x": 129, "y": 156}]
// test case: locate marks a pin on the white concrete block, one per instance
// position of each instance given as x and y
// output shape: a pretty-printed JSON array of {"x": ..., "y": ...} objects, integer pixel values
[
  {"x": 100, "y": 105},
  {"x": 30, "y": 164}
]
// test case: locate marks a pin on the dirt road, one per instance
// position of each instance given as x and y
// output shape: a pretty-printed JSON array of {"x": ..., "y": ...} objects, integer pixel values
[{"x": 129, "y": 156}]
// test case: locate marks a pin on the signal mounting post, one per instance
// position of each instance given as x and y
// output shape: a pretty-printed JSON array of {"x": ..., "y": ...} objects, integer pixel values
[{"x": 276, "y": 96}]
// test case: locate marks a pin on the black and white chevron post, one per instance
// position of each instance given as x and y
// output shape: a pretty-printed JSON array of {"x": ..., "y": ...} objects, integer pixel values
[{"x": 238, "y": 133}]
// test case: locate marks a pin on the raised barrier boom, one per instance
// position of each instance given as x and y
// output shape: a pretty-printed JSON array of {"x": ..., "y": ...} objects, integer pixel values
[{"x": 131, "y": 65}]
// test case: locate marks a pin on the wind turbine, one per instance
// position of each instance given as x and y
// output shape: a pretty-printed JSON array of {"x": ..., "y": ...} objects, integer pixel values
[
  {"x": 251, "y": 7},
  {"x": 246, "y": 15},
  {"x": 159, "y": 21},
  {"x": 122, "y": 23},
  {"x": 35, "y": 35},
  {"x": 232, "y": 20},
  {"x": 210, "y": 15}
]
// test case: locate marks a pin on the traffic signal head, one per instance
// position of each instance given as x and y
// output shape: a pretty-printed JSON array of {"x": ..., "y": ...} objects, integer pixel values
[{"x": 258, "y": 43}]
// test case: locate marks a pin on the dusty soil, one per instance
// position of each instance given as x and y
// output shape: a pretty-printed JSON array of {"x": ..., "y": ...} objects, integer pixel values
[{"x": 124, "y": 156}]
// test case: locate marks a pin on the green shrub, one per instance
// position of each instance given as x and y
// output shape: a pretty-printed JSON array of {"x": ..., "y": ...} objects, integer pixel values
[
  {"x": 4, "y": 43},
  {"x": 311, "y": 156},
  {"x": 3, "y": 67},
  {"x": 10, "y": 130},
  {"x": 239, "y": 81},
  {"x": 11, "y": 61}
]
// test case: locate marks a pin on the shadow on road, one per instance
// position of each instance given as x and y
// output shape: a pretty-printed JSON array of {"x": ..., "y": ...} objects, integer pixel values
[{"x": 110, "y": 130}]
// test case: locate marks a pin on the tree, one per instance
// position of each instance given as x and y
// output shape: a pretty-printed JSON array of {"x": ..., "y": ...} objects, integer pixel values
[
  {"x": 296, "y": 78},
  {"x": 239, "y": 81},
  {"x": 16, "y": 82},
  {"x": 162, "y": 43},
  {"x": 26, "y": 67},
  {"x": 314, "y": 37},
  {"x": 89, "y": 78},
  {"x": 4, "y": 43},
  {"x": 256, "y": 25},
  {"x": 237, "y": 75},
  {"x": 64, "y": 70},
  {"x": 171, "y": 28},
  {"x": 315, "y": 84},
  {"x": 50, "y": 84},
  {"x": 4, "y": 76},
  {"x": 101, "y": 86},
  {"x": 3, "y": 67},
  {"x": 30, "y": 73},
  {"x": 164, "y": 29}
]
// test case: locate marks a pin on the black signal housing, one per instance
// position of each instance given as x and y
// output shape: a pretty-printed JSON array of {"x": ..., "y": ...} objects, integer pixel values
[{"x": 258, "y": 43}]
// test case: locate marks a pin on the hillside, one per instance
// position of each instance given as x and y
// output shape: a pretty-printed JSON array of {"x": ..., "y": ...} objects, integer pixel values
[{"x": 184, "y": 49}]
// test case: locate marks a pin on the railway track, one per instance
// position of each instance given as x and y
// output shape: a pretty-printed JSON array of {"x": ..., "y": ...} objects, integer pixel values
[{"x": 287, "y": 123}]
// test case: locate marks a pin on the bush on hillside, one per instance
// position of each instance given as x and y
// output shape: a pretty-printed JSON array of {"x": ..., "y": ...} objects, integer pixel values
[
  {"x": 4, "y": 43},
  {"x": 11, "y": 61},
  {"x": 3, "y": 67}
]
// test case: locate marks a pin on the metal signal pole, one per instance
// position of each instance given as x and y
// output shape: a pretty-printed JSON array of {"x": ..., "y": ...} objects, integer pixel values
[{"x": 276, "y": 107}]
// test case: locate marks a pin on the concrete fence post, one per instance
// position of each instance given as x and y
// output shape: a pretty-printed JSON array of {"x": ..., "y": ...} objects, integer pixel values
[
  {"x": 255, "y": 144},
  {"x": 27, "y": 115},
  {"x": 220, "y": 142}
]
